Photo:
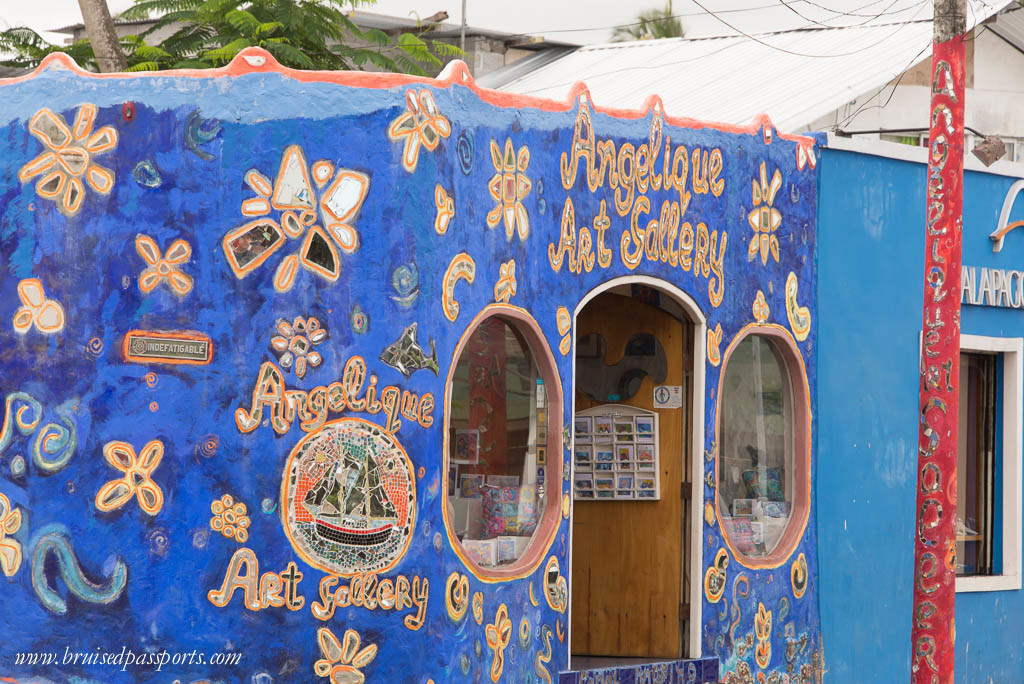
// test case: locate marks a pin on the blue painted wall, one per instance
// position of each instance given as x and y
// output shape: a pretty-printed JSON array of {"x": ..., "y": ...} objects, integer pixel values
[
  {"x": 102, "y": 567},
  {"x": 871, "y": 252}
]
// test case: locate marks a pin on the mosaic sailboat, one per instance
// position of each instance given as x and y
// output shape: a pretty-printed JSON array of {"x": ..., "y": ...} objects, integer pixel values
[{"x": 349, "y": 505}]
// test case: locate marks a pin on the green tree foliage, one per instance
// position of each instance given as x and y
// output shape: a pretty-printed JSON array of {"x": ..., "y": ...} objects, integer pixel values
[
  {"x": 303, "y": 34},
  {"x": 649, "y": 25},
  {"x": 23, "y": 48}
]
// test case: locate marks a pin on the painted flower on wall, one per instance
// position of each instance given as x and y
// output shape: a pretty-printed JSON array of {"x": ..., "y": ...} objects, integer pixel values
[
  {"x": 507, "y": 285},
  {"x": 294, "y": 343},
  {"x": 765, "y": 218},
  {"x": 344, "y": 660},
  {"x": 47, "y": 315},
  {"x": 509, "y": 186},
  {"x": 137, "y": 480},
  {"x": 421, "y": 124},
  {"x": 230, "y": 518},
  {"x": 291, "y": 209},
  {"x": 163, "y": 268},
  {"x": 10, "y": 548},
  {"x": 760, "y": 308},
  {"x": 66, "y": 165}
]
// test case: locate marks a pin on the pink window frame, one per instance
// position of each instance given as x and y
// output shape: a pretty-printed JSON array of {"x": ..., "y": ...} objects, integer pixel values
[
  {"x": 544, "y": 535},
  {"x": 800, "y": 411}
]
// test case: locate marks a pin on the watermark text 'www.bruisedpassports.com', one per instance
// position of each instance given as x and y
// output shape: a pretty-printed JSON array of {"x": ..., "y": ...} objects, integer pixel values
[{"x": 125, "y": 658}]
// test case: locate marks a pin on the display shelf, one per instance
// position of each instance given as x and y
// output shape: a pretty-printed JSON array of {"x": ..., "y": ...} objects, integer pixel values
[{"x": 615, "y": 454}]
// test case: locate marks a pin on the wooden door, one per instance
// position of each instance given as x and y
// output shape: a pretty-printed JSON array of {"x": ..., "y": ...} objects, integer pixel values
[{"x": 627, "y": 555}]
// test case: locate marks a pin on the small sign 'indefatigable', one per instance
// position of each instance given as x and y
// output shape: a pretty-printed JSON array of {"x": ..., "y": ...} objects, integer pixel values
[{"x": 142, "y": 346}]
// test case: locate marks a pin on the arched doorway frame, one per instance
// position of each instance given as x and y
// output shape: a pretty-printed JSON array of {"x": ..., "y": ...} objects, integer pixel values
[{"x": 699, "y": 369}]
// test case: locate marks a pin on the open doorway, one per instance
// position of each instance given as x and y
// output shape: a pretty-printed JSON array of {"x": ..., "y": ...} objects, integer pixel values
[{"x": 632, "y": 518}]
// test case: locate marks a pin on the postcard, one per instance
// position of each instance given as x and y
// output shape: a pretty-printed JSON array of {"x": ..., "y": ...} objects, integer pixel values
[
  {"x": 606, "y": 494},
  {"x": 602, "y": 482},
  {"x": 585, "y": 494},
  {"x": 603, "y": 429},
  {"x": 624, "y": 494},
  {"x": 506, "y": 549},
  {"x": 542, "y": 455},
  {"x": 738, "y": 528},
  {"x": 645, "y": 465},
  {"x": 467, "y": 447},
  {"x": 469, "y": 485},
  {"x": 647, "y": 494},
  {"x": 584, "y": 481},
  {"x": 583, "y": 455},
  {"x": 645, "y": 482},
  {"x": 624, "y": 431},
  {"x": 604, "y": 466},
  {"x": 645, "y": 452},
  {"x": 582, "y": 429},
  {"x": 605, "y": 455},
  {"x": 742, "y": 507},
  {"x": 625, "y": 452},
  {"x": 625, "y": 482},
  {"x": 774, "y": 509},
  {"x": 645, "y": 427}
]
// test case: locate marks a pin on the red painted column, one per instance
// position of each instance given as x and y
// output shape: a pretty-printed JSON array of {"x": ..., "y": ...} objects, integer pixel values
[{"x": 934, "y": 627}]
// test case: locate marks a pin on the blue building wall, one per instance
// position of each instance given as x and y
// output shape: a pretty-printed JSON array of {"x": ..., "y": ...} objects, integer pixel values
[
  {"x": 114, "y": 465},
  {"x": 870, "y": 255}
]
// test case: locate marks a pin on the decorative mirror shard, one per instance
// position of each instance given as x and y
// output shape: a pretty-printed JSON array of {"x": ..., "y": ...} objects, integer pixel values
[{"x": 642, "y": 357}]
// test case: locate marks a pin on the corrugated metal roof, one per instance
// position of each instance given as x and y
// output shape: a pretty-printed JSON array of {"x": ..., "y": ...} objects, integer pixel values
[
  {"x": 793, "y": 76},
  {"x": 1010, "y": 26}
]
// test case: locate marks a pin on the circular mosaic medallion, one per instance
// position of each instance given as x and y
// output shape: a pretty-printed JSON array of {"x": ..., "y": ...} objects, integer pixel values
[{"x": 348, "y": 500}]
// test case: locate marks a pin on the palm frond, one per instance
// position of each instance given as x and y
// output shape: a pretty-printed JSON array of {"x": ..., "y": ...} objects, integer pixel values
[
  {"x": 442, "y": 49},
  {"x": 144, "y": 66},
  {"x": 242, "y": 21},
  {"x": 289, "y": 56}
]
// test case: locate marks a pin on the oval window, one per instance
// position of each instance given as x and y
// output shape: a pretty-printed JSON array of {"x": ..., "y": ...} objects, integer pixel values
[
  {"x": 763, "y": 447},
  {"x": 503, "y": 445}
]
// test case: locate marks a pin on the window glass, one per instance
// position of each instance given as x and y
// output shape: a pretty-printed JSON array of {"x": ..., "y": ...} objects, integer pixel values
[
  {"x": 755, "y": 476},
  {"x": 496, "y": 427},
  {"x": 976, "y": 463}
]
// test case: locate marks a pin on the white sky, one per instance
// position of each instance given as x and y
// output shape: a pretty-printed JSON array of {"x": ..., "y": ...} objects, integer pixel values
[{"x": 548, "y": 18}]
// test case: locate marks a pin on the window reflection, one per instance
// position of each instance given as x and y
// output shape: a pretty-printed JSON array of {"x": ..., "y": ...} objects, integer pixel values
[
  {"x": 976, "y": 465},
  {"x": 495, "y": 430},
  {"x": 756, "y": 447}
]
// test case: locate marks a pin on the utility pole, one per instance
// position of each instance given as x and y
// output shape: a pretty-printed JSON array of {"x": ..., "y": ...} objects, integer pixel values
[
  {"x": 462, "y": 29},
  {"x": 102, "y": 36},
  {"x": 933, "y": 622}
]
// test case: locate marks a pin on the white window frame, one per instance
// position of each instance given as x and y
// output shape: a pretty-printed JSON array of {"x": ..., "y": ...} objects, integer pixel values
[{"x": 1012, "y": 351}]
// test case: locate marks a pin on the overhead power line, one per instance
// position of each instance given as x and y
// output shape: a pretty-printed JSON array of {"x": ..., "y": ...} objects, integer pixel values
[
  {"x": 868, "y": 17},
  {"x": 683, "y": 15},
  {"x": 865, "y": 106},
  {"x": 899, "y": 26}
]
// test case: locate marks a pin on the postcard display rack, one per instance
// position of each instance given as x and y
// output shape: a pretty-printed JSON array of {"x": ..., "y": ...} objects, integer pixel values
[{"x": 615, "y": 454}]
